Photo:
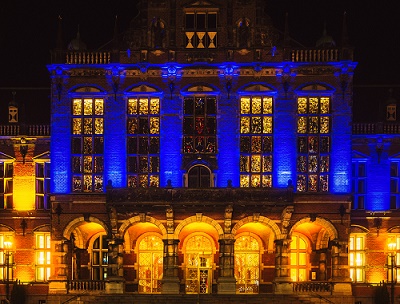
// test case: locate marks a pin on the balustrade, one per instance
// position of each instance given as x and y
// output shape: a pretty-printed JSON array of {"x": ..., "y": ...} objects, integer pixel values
[
  {"x": 312, "y": 287},
  {"x": 80, "y": 285}
]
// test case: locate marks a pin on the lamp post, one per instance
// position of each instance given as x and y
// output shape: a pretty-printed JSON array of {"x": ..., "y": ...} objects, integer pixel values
[
  {"x": 391, "y": 269},
  {"x": 7, "y": 247}
]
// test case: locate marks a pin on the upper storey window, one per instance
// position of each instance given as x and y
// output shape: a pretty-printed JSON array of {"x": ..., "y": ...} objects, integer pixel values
[
  {"x": 143, "y": 141},
  {"x": 201, "y": 27},
  {"x": 256, "y": 141},
  {"x": 313, "y": 143},
  {"x": 6, "y": 185},
  {"x": 87, "y": 144},
  {"x": 200, "y": 124}
]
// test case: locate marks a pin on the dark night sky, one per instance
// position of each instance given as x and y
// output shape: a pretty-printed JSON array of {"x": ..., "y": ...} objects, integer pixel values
[{"x": 28, "y": 32}]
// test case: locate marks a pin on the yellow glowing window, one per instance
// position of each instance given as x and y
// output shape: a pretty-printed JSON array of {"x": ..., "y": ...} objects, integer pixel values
[
  {"x": 298, "y": 259},
  {"x": 6, "y": 256},
  {"x": 43, "y": 256},
  {"x": 356, "y": 257},
  {"x": 247, "y": 264},
  {"x": 256, "y": 129},
  {"x": 150, "y": 264}
]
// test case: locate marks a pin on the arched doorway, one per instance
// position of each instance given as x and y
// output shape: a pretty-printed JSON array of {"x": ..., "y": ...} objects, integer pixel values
[{"x": 199, "y": 176}]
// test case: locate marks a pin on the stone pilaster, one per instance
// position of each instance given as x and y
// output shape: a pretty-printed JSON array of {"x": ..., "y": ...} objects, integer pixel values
[
  {"x": 170, "y": 281},
  {"x": 226, "y": 280},
  {"x": 58, "y": 279},
  {"x": 340, "y": 268},
  {"x": 282, "y": 279}
]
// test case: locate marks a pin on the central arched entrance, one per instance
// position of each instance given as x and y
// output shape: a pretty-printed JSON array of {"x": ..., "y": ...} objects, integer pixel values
[{"x": 199, "y": 176}]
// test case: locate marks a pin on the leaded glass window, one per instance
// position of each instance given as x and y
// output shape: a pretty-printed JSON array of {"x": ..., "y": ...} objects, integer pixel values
[
  {"x": 256, "y": 130},
  {"x": 298, "y": 259},
  {"x": 143, "y": 129},
  {"x": 87, "y": 144},
  {"x": 198, "y": 258},
  {"x": 200, "y": 125},
  {"x": 150, "y": 264},
  {"x": 313, "y": 144},
  {"x": 247, "y": 264}
]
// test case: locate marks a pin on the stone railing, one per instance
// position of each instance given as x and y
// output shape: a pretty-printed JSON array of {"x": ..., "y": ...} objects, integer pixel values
[
  {"x": 28, "y": 130},
  {"x": 88, "y": 57},
  {"x": 82, "y": 285},
  {"x": 315, "y": 55},
  {"x": 376, "y": 128},
  {"x": 312, "y": 287}
]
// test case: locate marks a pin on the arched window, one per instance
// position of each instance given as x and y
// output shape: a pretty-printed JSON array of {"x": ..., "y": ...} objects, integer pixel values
[
  {"x": 247, "y": 264},
  {"x": 99, "y": 258},
  {"x": 199, "y": 259},
  {"x": 298, "y": 259},
  {"x": 150, "y": 264},
  {"x": 199, "y": 177}
]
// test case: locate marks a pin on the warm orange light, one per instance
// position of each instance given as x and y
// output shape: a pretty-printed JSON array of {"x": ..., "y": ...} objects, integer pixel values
[
  {"x": 7, "y": 245},
  {"x": 24, "y": 193},
  {"x": 392, "y": 245}
]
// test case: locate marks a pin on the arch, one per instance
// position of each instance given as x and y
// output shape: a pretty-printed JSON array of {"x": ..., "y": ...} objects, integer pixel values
[
  {"x": 322, "y": 237},
  {"x": 257, "y": 88},
  {"x": 143, "y": 88},
  {"x": 315, "y": 87},
  {"x": 6, "y": 228},
  {"x": 76, "y": 222},
  {"x": 42, "y": 228},
  {"x": 203, "y": 219},
  {"x": 190, "y": 236},
  {"x": 263, "y": 220},
  {"x": 200, "y": 88},
  {"x": 135, "y": 220},
  {"x": 359, "y": 229},
  {"x": 87, "y": 89}
]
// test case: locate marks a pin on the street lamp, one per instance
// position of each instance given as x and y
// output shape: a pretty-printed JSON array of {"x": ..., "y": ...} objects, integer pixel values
[
  {"x": 7, "y": 251},
  {"x": 392, "y": 269}
]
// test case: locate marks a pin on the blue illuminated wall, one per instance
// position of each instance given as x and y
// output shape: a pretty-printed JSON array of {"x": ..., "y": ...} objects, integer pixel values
[
  {"x": 60, "y": 143},
  {"x": 115, "y": 141},
  {"x": 171, "y": 141},
  {"x": 228, "y": 141},
  {"x": 284, "y": 156}
]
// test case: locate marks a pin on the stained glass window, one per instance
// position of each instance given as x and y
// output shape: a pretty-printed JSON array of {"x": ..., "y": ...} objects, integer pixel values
[
  {"x": 150, "y": 264},
  {"x": 87, "y": 144},
  {"x": 200, "y": 125},
  {"x": 313, "y": 144},
  {"x": 256, "y": 130},
  {"x": 198, "y": 259},
  {"x": 143, "y": 129},
  {"x": 247, "y": 264},
  {"x": 298, "y": 259}
]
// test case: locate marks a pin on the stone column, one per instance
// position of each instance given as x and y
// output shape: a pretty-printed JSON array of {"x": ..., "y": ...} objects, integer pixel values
[
  {"x": 226, "y": 280},
  {"x": 322, "y": 265},
  {"x": 115, "y": 283},
  {"x": 340, "y": 268},
  {"x": 282, "y": 281},
  {"x": 170, "y": 281},
  {"x": 58, "y": 279}
]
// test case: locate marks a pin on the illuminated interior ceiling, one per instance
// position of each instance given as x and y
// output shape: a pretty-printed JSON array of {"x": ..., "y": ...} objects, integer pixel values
[
  {"x": 311, "y": 230},
  {"x": 264, "y": 232},
  {"x": 198, "y": 227},
  {"x": 87, "y": 230},
  {"x": 135, "y": 231}
]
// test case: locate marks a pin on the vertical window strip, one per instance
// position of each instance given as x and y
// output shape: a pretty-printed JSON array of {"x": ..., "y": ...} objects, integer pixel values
[
  {"x": 6, "y": 185},
  {"x": 201, "y": 30},
  {"x": 143, "y": 129},
  {"x": 200, "y": 125},
  {"x": 394, "y": 185},
  {"x": 256, "y": 137},
  {"x": 359, "y": 184},
  {"x": 313, "y": 144},
  {"x": 42, "y": 256},
  {"x": 357, "y": 257},
  {"x": 87, "y": 144}
]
